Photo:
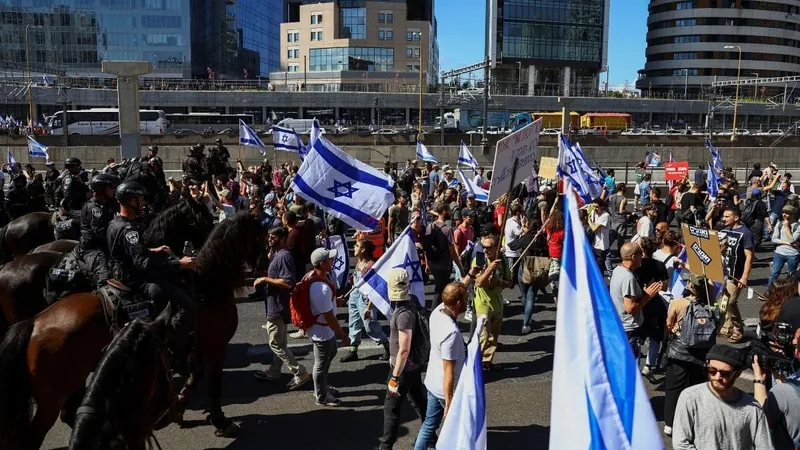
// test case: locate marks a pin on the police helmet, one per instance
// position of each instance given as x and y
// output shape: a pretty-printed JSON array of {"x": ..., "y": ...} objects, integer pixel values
[
  {"x": 104, "y": 180},
  {"x": 72, "y": 162},
  {"x": 219, "y": 141},
  {"x": 153, "y": 148},
  {"x": 128, "y": 190}
]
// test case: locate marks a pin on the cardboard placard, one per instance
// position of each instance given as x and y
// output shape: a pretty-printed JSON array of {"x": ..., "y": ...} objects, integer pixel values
[
  {"x": 519, "y": 146},
  {"x": 704, "y": 254},
  {"x": 676, "y": 171},
  {"x": 547, "y": 167}
]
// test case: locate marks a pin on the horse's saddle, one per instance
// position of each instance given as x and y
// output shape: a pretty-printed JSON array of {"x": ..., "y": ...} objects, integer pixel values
[
  {"x": 122, "y": 304},
  {"x": 69, "y": 275}
]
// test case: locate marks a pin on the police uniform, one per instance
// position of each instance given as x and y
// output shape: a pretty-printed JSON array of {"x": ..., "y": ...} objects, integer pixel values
[
  {"x": 95, "y": 217},
  {"x": 134, "y": 266},
  {"x": 195, "y": 167},
  {"x": 17, "y": 201},
  {"x": 75, "y": 190},
  {"x": 50, "y": 186}
]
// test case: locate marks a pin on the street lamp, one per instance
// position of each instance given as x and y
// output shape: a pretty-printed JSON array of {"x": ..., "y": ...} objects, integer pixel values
[
  {"x": 755, "y": 89},
  {"x": 736, "y": 99},
  {"x": 421, "y": 48}
]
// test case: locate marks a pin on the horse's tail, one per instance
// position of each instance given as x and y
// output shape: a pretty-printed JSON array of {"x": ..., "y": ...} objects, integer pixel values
[{"x": 15, "y": 396}]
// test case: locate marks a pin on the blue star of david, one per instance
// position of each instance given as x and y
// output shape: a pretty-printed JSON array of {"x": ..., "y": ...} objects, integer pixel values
[
  {"x": 347, "y": 186},
  {"x": 416, "y": 269},
  {"x": 338, "y": 263},
  {"x": 572, "y": 168}
]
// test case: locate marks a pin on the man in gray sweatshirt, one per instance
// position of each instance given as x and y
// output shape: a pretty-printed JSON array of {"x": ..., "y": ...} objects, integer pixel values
[{"x": 717, "y": 415}]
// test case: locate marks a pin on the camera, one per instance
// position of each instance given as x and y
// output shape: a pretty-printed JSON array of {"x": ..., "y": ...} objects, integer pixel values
[{"x": 770, "y": 359}]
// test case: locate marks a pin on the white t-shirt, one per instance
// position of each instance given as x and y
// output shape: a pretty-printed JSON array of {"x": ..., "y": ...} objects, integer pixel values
[
  {"x": 322, "y": 301},
  {"x": 446, "y": 343},
  {"x": 512, "y": 232},
  {"x": 601, "y": 241},
  {"x": 661, "y": 255}
]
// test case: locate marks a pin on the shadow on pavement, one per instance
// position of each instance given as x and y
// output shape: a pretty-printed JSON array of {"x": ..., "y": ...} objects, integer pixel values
[{"x": 529, "y": 436}]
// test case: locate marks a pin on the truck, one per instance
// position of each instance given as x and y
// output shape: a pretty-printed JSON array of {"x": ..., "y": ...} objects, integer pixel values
[
  {"x": 468, "y": 120},
  {"x": 450, "y": 123},
  {"x": 606, "y": 121}
]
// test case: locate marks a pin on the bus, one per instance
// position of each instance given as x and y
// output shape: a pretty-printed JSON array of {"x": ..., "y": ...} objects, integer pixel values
[
  {"x": 200, "y": 122},
  {"x": 105, "y": 121}
]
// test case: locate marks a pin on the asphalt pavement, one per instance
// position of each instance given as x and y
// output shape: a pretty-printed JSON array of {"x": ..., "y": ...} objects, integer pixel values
[{"x": 518, "y": 398}]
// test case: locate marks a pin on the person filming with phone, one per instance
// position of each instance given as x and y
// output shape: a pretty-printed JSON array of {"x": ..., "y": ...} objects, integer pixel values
[{"x": 494, "y": 276}]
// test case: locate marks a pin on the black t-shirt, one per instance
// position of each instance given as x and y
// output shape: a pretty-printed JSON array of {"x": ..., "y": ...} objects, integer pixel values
[
  {"x": 651, "y": 271},
  {"x": 733, "y": 257},
  {"x": 790, "y": 312}
]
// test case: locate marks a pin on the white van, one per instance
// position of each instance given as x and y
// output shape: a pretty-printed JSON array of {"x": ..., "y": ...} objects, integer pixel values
[{"x": 298, "y": 125}]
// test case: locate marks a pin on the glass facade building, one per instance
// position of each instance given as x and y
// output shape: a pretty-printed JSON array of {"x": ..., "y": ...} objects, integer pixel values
[
  {"x": 73, "y": 37},
  {"x": 351, "y": 58},
  {"x": 353, "y": 23}
]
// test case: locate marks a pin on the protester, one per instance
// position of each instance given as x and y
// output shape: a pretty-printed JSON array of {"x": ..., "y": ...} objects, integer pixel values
[
  {"x": 495, "y": 276},
  {"x": 599, "y": 221},
  {"x": 738, "y": 261},
  {"x": 781, "y": 402},
  {"x": 785, "y": 233}
]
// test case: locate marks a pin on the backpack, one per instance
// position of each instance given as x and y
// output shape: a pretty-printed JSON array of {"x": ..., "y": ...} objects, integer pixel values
[
  {"x": 421, "y": 336},
  {"x": 748, "y": 215},
  {"x": 300, "y": 302},
  {"x": 430, "y": 244},
  {"x": 699, "y": 326}
]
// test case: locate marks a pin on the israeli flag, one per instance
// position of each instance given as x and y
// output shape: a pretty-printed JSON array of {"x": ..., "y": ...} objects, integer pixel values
[
  {"x": 465, "y": 157},
  {"x": 481, "y": 195},
  {"x": 11, "y": 160},
  {"x": 248, "y": 136},
  {"x": 716, "y": 159},
  {"x": 286, "y": 139},
  {"x": 464, "y": 428},
  {"x": 573, "y": 165},
  {"x": 653, "y": 159},
  {"x": 402, "y": 254},
  {"x": 343, "y": 186},
  {"x": 37, "y": 150},
  {"x": 678, "y": 283},
  {"x": 712, "y": 179},
  {"x": 598, "y": 398},
  {"x": 315, "y": 134},
  {"x": 424, "y": 154},
  {"x": 341, "y": 265}
]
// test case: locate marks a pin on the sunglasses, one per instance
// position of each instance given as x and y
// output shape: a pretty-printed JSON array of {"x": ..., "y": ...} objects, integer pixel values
[
  {"x": 488, "y": 247},
  {"x": 713, "y": 371}
]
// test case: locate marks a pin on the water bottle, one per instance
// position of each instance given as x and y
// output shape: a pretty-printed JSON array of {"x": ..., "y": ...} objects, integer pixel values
[{"x": 188, "y": 249}]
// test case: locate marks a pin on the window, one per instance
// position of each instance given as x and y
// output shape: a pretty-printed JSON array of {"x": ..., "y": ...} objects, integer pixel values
[
  {"x": 353, "y": 23},
  {"x": 389, "y": 35},
  {"x": 684, "y": 72},
  {"x": 684, "y": 55},
  {"x": 289, "y": 53},
  {"x": 409, "y": 68},
  {"x": 684, "y": 5},
  {"x": 316, "y": 35},
  {"x": 409, "y": 52},
  {"x": 381, "y": 35},
  {"x": 686, "y": 39},
  {"x": 294, "y": 67},
  {"x": 416, "y": 53},
  {"x": 293, "y": 36},
  {"x": 370, "y": 59},
  {"x": 409, "y": 35},
  {"x": 289, "y": 37},
  {"x": 297, "y": 36},
  {"x": 417, "y": 35},
  {"x": 293, "y": 53},
  {"x": 316, "y": 19},
  {"x": 685, "y": 22},
  {"x": 381, "y": 18},
  {"x": 390, "y": 18}
]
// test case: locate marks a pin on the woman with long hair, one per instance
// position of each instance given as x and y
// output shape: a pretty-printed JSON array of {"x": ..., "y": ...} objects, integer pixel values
[
  {"x": 362, "y": 315},
  {"x": 685, "y": 366},
  {"x": 417, "y": 196},
  {"x": 779, "y": 291},
  {"x": 555, "y": 246}
]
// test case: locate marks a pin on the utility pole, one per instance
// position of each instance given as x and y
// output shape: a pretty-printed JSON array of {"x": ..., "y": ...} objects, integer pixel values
[{"x": 484, "y": 140}]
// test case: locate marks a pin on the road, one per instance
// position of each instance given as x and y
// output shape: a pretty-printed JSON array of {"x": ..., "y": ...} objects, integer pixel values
[{"x": 518, "y": 398}]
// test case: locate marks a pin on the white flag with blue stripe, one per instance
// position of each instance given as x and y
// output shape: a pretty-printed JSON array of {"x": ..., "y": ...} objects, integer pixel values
[
  {"x": 11, "y": 160},
  {"x": 286, "y": 139},
  {"x": 343, "y": 186},
  {"x": 315, "y": 134},
  {"x": 341, "y": 265},
  {"x": 464, "y": 428},
  {"x": 599, "y": 399},
  {"x": 572, "y": 164},
  {"x": 402, "y": 254},
  {"x": 37, "y": 150},
  {"x": 424, "y": 154},
  {"x": 481, "y": 195},
  {"x": 712, "y": 183},
  {"x": 248, "y": 136},
  {"x": 465, "y": 157},
  {"x": 716, "y": 158}
]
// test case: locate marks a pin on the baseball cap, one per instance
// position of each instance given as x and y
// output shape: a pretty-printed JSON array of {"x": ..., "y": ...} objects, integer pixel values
[
  {"x": 467, "y": 212},
  {"x": 398, "y": 285},
  {"x": 321, "y": 254},
  {"x": 756, "y": 191},
  {"x": 727, "y": 354},
  {"x": 789, "y": 209}
]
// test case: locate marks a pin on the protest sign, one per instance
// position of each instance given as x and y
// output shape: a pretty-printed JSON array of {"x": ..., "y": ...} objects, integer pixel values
[
  {"x": 547, "y": 167},
  {"x": 703, "y": 250},
  {"x": 676, "y": 171},
  {"x": 519, "y": 146}
]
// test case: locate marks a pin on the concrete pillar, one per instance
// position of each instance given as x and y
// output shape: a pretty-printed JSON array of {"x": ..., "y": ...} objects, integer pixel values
[
  {"x": 264, "y": 116},
  {"x": 567, "y": 79},
  {"x": 336, "y": 113},
  {"x": 128, "y": 73},
  {"x": 565, "y": 110},
  {"x": 300, "y": 112},
  {"x": 408, "y": 115},
  {"x": 532, "y": 73},
  {"x": 227, "y": 110}
]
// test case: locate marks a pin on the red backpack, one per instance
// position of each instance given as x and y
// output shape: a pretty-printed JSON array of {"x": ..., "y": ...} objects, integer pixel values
[{"x": 300, "y": 301}]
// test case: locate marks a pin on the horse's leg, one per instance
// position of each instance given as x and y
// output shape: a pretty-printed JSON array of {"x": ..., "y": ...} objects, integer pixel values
[
  {"x": 68, "y": 412},
  {"x": 43, "y": 420},
  {"x": 188, "y": 391},
  {"x": 225, "y": 427}
]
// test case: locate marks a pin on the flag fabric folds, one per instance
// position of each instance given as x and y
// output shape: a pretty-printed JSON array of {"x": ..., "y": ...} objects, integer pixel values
[
  {"x": 481, "y": 195},
  {"x": 465, "y": 157},
  {"x": 312, "y": 138},
  {"x": 424, "y": 154},
  {"x": 402, "y": 254},
  {"x": 678, "y": 283},
  {"x": 716, "y": 159},
  {"x": 712, "y": 178},
  {"x": 672, "y": 160},
  {"x": 653, "y": 159},
  {"x": 599, "y": 399},
  {"x": 573, "y": 165},
  {"x": 286, "y": 139},
  {"x": 464, "y": 428},
  {"x": 248, "y": 136},
  {"x": 37, "y": 150},
  {"x": 341, "y": 265},
  {"x": 11, "y": 160},
  {"x": 343, "y": 186}
]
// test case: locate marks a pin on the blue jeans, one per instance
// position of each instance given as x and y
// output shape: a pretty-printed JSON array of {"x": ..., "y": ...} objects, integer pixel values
[
  {"x": 433, "y": 419},
  {"x": 528, "y": 298},
  {"x": 777, "y": 265},
  {"x": 356, "y": 306},
  {"x": 773, "y": 219}
]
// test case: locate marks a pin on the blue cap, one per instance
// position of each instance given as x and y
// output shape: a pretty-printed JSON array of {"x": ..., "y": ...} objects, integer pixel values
[
  {"x": 269, "y": 197},
  {"x": 756, "y": 191}
]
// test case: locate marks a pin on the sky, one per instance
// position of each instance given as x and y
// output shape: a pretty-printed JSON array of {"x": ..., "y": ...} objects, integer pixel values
[{"x": 462, "y": 24}]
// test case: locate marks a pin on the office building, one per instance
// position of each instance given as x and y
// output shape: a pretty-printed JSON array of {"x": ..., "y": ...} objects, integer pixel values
[
  {"x": 547, "y": 47},
  {"x": 235, "y": 38},
  {"x": 353, "y": 45},
  {"x": 73, "y": 37},
  {"x": 686, "y": 43}
]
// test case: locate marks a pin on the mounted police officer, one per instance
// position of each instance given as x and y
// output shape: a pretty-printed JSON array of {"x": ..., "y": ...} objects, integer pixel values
[
  {"x": 72, "y": 186},
  {"x": 17, "y": 202},
  {"x": 50, "y": 178},
  {"x": 95, "y": 217},
  {"x": 36, "y": 191},
  {"x": 66, "y": 222},
  {"x": 148, "y": 270},
  {"x": 155, "y": 163},
  {"x": 218, "y": 157},
  {"x": 195, "y": 166}
]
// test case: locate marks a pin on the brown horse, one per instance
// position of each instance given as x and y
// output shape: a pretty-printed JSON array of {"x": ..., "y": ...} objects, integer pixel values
[
  {"x": 130, "y": 393},
  {"x": 49, "y": 357},
  {"x": 60, "y": 246},
  {"x": 22, "y": 280},
  {"x": 24, "y": 234}
]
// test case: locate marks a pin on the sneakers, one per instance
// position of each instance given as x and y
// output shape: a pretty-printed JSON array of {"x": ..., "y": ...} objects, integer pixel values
[
  {"x": 330, "y": 400},
  {"x": 298, "y": 381},
  {"x": 667, "y": 430},
  {"x": 526, "y": 329},
  {"x": 299, "y": 334},
  {"x": 267, "y": 375},
  {"x": 646, "y": 371},
  {"x": 350, "y": 356},
  {"x": 332, "y": 390}
]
